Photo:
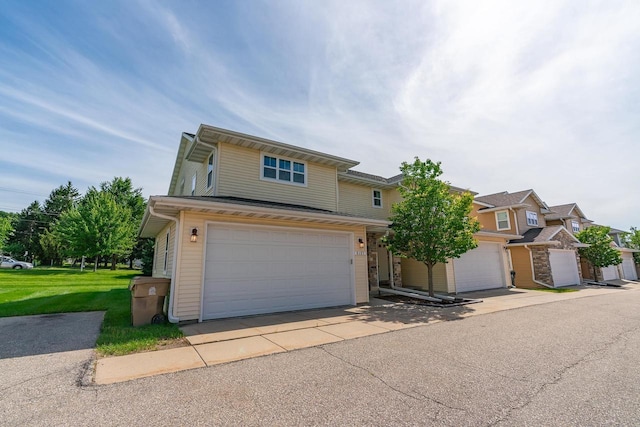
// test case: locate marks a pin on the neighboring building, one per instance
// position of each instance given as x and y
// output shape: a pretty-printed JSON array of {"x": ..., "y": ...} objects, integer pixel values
[
  {"x": 485, "y": 267},
  {"x": 625, "y": 270},
  {"x": 546, "y": 255}
]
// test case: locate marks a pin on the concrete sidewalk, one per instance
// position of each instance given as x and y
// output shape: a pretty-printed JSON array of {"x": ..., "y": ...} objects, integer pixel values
[{"x": 229, "y": 340}]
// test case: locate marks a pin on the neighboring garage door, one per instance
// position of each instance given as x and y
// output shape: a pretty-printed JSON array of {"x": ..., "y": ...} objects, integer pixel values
[
  {"x": 610, "y": 272},
  {"x": 254, "y": 270},
  {"x": 564, "y": 267},
  {"x": 629, "y": 267},
  {"x": 480, "y": 268}
]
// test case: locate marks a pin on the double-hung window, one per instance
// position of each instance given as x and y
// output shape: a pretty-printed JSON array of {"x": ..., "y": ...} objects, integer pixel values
[
  {"x": 502, "y": 220},
  {"x": 194, "y": 179},
  {"x": 532, "y": 218},
  {"x": 283, "y": 170},
  {"x": 377, "y": 198},
  {"x": 575, "y": 226},
  {"x": 210, "y": 171},
  {"x": 166, "y": 253}
]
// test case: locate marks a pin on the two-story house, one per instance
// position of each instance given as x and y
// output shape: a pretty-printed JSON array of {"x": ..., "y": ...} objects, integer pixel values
[
  {"x": 546, "y": 254},
  {"x": 626, "y": 270},
  {"x": 253, "y": 226}
]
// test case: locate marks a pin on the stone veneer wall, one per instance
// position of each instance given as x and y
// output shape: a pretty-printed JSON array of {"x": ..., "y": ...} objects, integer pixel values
[{"x": 541, "y": 264}]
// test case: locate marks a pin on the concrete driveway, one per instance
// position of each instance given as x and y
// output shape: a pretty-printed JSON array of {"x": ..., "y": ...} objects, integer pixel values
[
  {"x": 572, "y": 362},
  {"x": 39, "y": 352}
]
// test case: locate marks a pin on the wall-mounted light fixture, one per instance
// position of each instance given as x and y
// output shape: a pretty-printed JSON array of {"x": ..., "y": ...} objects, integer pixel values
[
  {"x": 194, "y": 235},
  {"x": 360, "y": 243}
]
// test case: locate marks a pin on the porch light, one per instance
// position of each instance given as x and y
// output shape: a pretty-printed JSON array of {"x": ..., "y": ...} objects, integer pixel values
[
  {"x": 194, "y": 235},
  {"x": 360, "y": 243}
]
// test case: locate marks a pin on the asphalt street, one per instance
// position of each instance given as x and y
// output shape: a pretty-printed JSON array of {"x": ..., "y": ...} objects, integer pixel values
[{"x": 575, "y": 362}]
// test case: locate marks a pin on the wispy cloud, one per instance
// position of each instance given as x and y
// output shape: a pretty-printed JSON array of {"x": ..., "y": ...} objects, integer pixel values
[{"x": 507, "y": 95}]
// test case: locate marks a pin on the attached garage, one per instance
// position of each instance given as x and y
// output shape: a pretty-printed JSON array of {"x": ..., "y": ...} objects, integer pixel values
[
  {"x": 564, "y": 267},
  {"x": 610, "y": 272},
  {"x": 480, "y": 268},
  {"x": 256, "y": 269},
  {"x": 629, "y": 267}
]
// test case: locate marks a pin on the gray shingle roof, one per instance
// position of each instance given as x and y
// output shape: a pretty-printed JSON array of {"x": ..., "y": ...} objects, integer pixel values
[
  {"x": 538, "y": 235},
  {"x": 504, "y": 198}
]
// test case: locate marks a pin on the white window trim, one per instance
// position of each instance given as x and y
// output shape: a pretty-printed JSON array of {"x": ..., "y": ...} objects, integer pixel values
[
  {"x": 498, "y": 222},
  {"x": 526, "y": 213},
  {"x": 155, "y": 255},
  {"x": 575, "y": 226},
  {"x": 210, "y": 172},
  {"x": 166, "y": 253},
  {"x": 373, "y": 198},
  {"x": 278, "y": 158},
  {"x": 194, "y": 184}
]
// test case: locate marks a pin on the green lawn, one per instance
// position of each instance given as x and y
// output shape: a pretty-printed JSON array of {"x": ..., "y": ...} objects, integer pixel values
[{"x": 64, "y": 290}]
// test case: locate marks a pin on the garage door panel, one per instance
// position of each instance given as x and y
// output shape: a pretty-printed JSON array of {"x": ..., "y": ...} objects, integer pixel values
[
  {"x": 610, "y": 272},
  {"x": 255, "y": 270},
  {"x": 564, "y": 267},
  {"x": 480, "y": 268},
  {"x": 629, "y": 267}
]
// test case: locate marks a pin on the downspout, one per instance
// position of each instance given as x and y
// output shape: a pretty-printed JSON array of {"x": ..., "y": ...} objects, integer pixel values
[
  {"x": 170, "y": 315},
  {"x": 533, "y": 272},
  {"x": 515, "y": 219}
]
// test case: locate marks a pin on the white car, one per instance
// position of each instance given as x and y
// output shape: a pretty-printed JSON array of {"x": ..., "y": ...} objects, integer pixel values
[{"x": 6, "y": 262}]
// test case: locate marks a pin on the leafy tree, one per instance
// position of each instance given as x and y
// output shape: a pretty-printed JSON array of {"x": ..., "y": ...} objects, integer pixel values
[
  {"x": 146, "y": 255},
  {"x": 431, "y": 224},
  {"x": 99, "y": 226},
  {"x": 632, "y": 240},
  {"x": 127, "y": 196},
  {"x": 6, "y": 228},
  {"x": 600, "y": 253},
  {"x": 25, "y": 240},
  {"x": 60, "y": 200}
]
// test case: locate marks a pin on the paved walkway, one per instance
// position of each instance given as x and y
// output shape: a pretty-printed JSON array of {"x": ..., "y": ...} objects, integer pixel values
[{"x": 228, "y": 340}]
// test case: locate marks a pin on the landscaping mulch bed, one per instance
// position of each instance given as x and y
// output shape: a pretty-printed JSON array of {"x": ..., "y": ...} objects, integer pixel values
[{"x": 443, "y": 304}]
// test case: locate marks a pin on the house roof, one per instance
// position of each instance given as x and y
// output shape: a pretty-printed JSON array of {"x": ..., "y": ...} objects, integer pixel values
[
  {"x": 541, "y": 235},
  {"x": 160, "y": 208},
  {"x": 506, "y": 199},
  {"x": 208, "y": 136},
  {"x": 569, "y": 210},
  {"x": 379, "y": 181}
]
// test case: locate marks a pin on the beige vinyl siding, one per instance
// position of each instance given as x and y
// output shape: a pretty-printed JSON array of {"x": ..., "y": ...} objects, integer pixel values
[
  {"x": 189, "y": 277},
  {"x": 522, "y": 215},
  {"x": 187, "y": 169},
  {"x": 414, "y": 274},
  {"x": 489, "y": 222},
  {"x": 239, "y": 175},
  {"x": 161, "y": 239},
  {"x": 358, "y": 200}
]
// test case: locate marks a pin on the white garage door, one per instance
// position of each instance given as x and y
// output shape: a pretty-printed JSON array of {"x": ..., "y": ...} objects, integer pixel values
[
  {"x": 629, "y": 267},
  {"x": 480, "y": 268},
  {"x": 564, "y": 267},
  {"x": 254, "y": 270},
  {"x": 610, "y": 272}
]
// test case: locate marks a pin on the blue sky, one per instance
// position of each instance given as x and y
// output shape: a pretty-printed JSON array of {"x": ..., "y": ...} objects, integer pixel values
[{"x": 508, "y": 95}]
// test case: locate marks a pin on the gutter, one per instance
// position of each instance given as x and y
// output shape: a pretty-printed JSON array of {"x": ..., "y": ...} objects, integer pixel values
[
  {"x": 533, "y": 271},
  {"x": 170, "y": 315}
]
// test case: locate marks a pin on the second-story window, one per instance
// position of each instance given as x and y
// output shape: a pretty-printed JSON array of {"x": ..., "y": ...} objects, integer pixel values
[
  {"x": 532, "y": 218},
  {"x": 502, "y": 220},
  {"x": 283, "y": 170},
  {"x": 193, "y": 184},
  {"x": 377, "y": 199},
  {"x": 210, "y": 171},
  {"x": 575, "y": 226}
]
